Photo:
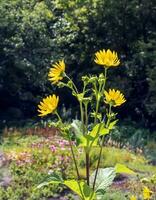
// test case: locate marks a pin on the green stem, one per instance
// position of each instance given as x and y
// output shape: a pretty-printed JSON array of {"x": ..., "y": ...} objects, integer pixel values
[
  {"x": 87, "y": 166},
  {"x": 58, "y": 116},
  {"x": 98, "y": 164},
  {"x": 101, "y": 89},
  {"x": 82, "y": 116},
  {"x": 75, "y": 88},
  {"x": 86, "y": 116},
  {"x": 74, "y": 159},
  {"x": 76, "y": 166},
  {"x": 101, "y": 148},
  {"x": 81, "y": 106},
  {"x": 96, "y": 110},
  {"x": 87, "y": 149}
]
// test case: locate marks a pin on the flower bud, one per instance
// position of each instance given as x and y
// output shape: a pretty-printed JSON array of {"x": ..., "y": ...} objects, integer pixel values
[
  {"x": 93, "y": 79},
  {"x": 80, "y": 97},
  {"x": 70, "y": 84},
  {"x": 85, "y": 79},
  {"x": 101, "y": 79},
  {"x": 86, "y": 100},
  {"x": 61, "y": 84}
]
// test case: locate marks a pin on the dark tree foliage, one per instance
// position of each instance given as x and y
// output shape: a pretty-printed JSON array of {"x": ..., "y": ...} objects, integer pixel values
[{"x": 34, "y": 34}]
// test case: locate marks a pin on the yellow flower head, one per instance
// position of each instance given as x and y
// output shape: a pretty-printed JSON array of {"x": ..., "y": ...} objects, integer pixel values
[
  {"x": 48, "y": 105},
  {"x": 107, "y": 58},
  {"x": 56, "y": 72},
  {"x": 115, "y": 98},
  {"x": 133, "y": 197},
  {"x": 147, "y": 193}
]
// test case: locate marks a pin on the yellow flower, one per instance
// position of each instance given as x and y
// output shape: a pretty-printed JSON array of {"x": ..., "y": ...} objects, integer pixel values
[
  {"x": 147, "y": 193},
  {"x": 133, "y": 197},
  {"x": 48, "y": 105},
  {"x": 56, "y": 72},
  {"x": 115, "y": 98},
  {"x": 107, "y": 58}
]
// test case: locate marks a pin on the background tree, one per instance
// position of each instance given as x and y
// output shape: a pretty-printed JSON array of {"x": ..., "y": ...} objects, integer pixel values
[{"x": 34, "y": 34}]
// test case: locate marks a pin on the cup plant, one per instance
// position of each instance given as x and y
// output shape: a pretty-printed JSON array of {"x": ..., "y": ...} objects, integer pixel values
[{"x": 97, "y": 119}]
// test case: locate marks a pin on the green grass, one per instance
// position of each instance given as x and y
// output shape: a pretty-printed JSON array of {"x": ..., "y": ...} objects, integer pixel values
[
  {"x": 112, "y": 155},
  {"x": 29, "y": 176}
]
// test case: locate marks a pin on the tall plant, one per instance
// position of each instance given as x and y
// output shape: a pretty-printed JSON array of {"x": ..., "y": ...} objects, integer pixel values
[{"x": 97, "y": 120}]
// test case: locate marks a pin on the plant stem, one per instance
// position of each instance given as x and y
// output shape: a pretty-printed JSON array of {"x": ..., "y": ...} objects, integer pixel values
[
  {"x": 101, "y": 148},
  {"x": 105, "y": 79},
  {"x": 86, "y": 117},
  {"x": 58, "y": 116},
  {"x": 81, "y": 106},
  {"x": 82, "y": 116},
  {"x": 76, "y": 90},
  {"x": 101, "y": 89},
  {"x": 96, "y": 110},
  {"x": 76, "y": 167},
  {"x": 98, "y": 164},
  {"x": 87, "y": 166},
  {"x": 74, "y": 159}
]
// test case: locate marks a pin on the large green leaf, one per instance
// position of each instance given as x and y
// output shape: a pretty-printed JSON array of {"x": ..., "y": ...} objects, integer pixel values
[
  {"x": 78, "y": 131},
  {"x": 87, "y": 139},
  {"x": 100, "y": 194},
  {"x": 112, "y": 124},
  {"x": 104, "y": 178},
  {"x": 82, "y": 189},
  {"x": 77, "y": 127},
  {"x": 53, "y": 178},
  {"x": 120, "y": 168},
  {"x": 99, "y": 129}
]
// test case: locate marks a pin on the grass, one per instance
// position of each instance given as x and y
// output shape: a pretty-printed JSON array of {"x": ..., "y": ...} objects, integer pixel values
[
  {"x": 112, "y": 155},
  {"x": 44, "y": 160}
]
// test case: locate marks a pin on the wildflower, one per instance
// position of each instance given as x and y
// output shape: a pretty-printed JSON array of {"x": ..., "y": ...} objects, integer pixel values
[
  {"x": 53, "y": 148},
  {"x": 48, "y": 105},
  {"x": 133, "y": 197},
  {"x": 107, "y": 58},
  {"x": 56, "y": 73},
  {"x": 147, "y": 193},
  {"x": 115, "y": 98}
]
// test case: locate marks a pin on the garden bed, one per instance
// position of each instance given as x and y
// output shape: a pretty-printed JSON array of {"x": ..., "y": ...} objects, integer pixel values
[{"x": 27, "y": 160}]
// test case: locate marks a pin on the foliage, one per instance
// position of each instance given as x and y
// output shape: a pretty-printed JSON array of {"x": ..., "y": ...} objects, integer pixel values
[
  {"x": 150, "y": 152},
  {"x": 133, "y": 136},
  {"x": 31, "y": 159},
  {"x": 29, "y": 175},
  {"x": 114, "y": 195},
  {"x": 33, "y": 33}
]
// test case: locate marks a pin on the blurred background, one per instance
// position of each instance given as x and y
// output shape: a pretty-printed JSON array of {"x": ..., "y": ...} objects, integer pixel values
[{"x": 35, "y": 33}]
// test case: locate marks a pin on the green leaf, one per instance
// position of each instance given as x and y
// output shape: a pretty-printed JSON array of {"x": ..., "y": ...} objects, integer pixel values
[
  {"x": 77, "y": 127},
  {"x": 120, "y": 168},
  {"x": 82, "y": 141},
  {"x": 104, "y": 131},
  {"x": 104, "y": 179},
  {"x": 99, "y": 129},
  {"x": 78, "y": 131},
  {"x": 87, "y": 139},
  {"x": 52, "y": 178},
  {"x": 112, "y": 124},
  {"x": 80, "y": 188},
  {"x": 100, "y": 194}
]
